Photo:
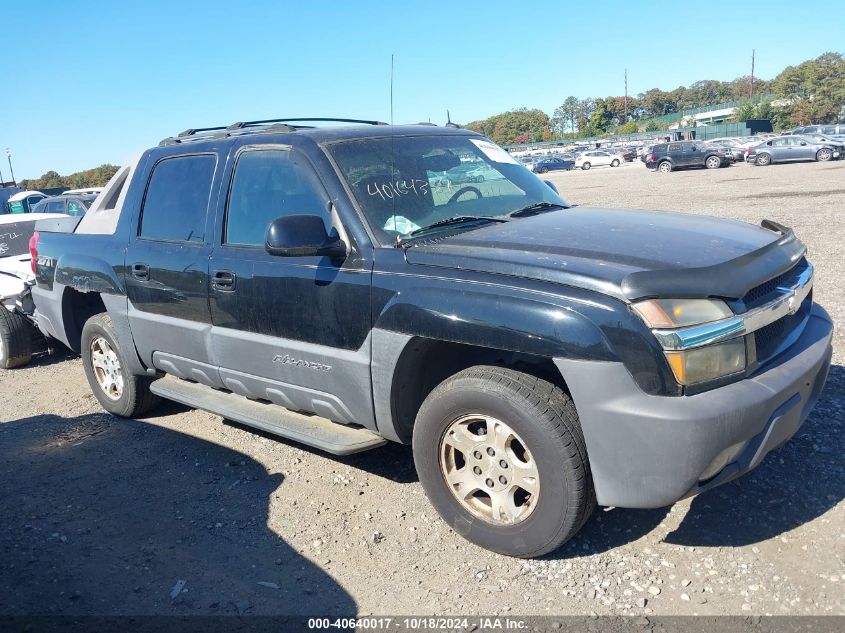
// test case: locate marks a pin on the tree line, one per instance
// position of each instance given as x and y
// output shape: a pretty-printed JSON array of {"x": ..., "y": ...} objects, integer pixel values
[
  {"x": 96, "y": 177},
  {"x": 811, "y": 92}
]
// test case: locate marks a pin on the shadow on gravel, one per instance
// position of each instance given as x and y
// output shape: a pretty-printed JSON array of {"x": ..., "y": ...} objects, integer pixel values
[
  {"x": 794, "y": 485},
  {"x": 108, "y": 516},
  {"x": 608, "y": 529}
]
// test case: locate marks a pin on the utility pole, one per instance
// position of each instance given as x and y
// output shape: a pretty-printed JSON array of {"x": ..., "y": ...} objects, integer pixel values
[
  {"x": 626, "y": 95},
  {"x": 11, "y": 169},
  {"x": 752, "y": 72}
]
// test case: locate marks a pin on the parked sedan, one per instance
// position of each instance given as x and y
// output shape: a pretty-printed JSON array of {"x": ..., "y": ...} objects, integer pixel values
[
  {"x": 836, "y": 142},
  {"x": 596, "y": 158},
  {"x": 784, "y": 149},
  {"x": 552, "y": 164}
]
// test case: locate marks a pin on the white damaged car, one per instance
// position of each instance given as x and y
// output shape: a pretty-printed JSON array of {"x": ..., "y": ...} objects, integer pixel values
[{"x": 19, "y": 337}]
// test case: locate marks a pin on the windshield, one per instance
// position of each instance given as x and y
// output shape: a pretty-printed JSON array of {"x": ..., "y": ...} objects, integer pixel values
[{"x": 404, "y": 183}]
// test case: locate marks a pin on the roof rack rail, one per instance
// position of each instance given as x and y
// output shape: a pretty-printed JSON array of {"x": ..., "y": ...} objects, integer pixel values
[
  {"x": 271, "y": 124},
  {"x": 243, "y": 124}
]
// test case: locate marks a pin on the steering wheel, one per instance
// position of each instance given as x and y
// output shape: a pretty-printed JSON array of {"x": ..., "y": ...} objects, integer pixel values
[{"x": 464, "y": 190}]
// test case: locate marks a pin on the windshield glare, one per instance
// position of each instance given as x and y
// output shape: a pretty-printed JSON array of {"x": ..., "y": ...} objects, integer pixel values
[{"x": 404, "y": 183}]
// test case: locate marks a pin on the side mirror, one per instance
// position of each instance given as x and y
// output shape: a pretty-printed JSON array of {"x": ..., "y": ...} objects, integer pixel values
[
  {"x": 302, "y": 236},
  {"x": 803, "y": 143},
  {"x": 551, "y": 185}
]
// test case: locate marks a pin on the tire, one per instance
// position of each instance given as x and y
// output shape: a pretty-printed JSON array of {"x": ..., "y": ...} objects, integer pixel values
[
  {"x": 664, "y": 167},
  {"x": 127, "y": 395},
  {"x": 615, "y": 163},
  {"x": 531, "y": 413},
  {"x": 713, "y": 162},
  {"x": 762, "y": 160},
  {"x": 16, "y": 335},
  {"x": 544, "y": 170},
  {"x": 824, "y": 155},
  {"x": 586, "y": 166}
]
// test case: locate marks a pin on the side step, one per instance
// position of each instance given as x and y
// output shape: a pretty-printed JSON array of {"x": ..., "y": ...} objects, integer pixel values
[{"x": 312, "y": 430}]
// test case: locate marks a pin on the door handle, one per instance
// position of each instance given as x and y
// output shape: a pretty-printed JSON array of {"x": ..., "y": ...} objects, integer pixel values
[
  {"x": 141, "y": 271},
  {"x": 223, "y": 280}
]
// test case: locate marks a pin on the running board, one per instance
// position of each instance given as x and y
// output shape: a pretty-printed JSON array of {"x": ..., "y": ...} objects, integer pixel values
[{"x": 307, "y": 429}]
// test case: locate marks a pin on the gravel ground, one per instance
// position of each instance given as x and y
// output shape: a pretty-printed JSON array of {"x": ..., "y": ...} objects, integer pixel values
[{"x": 183, "y": 513}]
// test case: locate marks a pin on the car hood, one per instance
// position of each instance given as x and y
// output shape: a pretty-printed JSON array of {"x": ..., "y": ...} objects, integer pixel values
[{"x": 630, "y": 254}]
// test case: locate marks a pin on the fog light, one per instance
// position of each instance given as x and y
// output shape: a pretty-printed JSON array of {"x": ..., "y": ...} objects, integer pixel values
[{"x": 702, "y": 364}]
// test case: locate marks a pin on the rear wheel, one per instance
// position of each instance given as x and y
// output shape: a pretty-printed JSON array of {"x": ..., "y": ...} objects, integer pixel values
[
  {"x": 543, "y": 170},
  {"x": 713, "y": 162},
  {"x": 118, "y": 390},
  {"x": 502, "y": 458},
  {"x": 823, "y": 155},
  {"x": 665, "y": 167},
  {"x": 16, "y": 335},
  {"x": 762, "y": 160},
  {"x": 615, "y": 163},
  {"x": 586, "y": 166}
]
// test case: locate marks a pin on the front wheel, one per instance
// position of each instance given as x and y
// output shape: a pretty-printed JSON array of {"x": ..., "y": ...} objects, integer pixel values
[
  {"x": 544, "y": 170},
  {"x": 118, "y": 390},
  {"x": 502, "y": 458},
  {"x": 713, "y": 162},
  {"x": 586, "y": 166},
  {"x": 615, "y": 163},
  {"x": 824, "y": 155}
]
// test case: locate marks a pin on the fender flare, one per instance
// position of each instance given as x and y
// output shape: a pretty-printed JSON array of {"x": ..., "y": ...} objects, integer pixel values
[{"x": 85, "y": 273}]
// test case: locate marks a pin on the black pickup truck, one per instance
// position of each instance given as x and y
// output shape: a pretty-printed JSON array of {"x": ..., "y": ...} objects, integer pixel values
[{"x": 333, "y": 286}]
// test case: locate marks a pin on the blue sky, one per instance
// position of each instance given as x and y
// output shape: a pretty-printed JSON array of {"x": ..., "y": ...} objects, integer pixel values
[{"x": 87, "y": 83}]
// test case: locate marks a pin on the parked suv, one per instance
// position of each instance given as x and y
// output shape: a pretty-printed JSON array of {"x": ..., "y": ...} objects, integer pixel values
[
  {"x": 666, "y": 157},
  {"x": 75, "y": 205},
  {"x": 319, "y": 284}
]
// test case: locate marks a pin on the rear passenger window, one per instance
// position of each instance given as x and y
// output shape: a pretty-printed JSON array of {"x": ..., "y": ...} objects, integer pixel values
[
  {"x": 177, "y": 199},
  {"x": 269, "y": 183}
]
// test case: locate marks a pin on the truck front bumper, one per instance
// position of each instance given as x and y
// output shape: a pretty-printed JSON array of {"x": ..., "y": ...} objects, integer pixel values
[{"x": 650, "y": 451}]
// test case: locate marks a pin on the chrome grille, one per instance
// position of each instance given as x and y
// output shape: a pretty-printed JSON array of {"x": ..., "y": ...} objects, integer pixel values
[{"x": 767, "y": 290}]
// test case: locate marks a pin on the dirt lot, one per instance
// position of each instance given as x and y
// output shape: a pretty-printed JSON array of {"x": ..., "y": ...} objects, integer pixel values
[{"x": 107, "y": 516}]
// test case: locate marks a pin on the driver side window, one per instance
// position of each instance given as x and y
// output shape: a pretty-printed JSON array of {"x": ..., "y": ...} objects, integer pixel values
[{"x": 269, "y": 183}]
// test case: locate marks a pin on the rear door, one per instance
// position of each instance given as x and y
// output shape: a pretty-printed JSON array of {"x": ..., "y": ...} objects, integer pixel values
[
  {"x": 167, "y": 267},
  {"x": 291, "y": 330}
]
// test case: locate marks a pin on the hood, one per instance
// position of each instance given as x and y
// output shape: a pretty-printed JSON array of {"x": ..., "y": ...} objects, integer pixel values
[{"x": 630, "y": 254}]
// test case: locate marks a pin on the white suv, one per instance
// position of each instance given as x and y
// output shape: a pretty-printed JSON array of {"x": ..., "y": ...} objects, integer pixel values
[{"x": 596, "y": 158}]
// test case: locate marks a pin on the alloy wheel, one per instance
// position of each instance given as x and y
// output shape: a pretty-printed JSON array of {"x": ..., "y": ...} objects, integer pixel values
[
  {"x": 106, "y": 366},
  {"x": 489, "y": 469}
]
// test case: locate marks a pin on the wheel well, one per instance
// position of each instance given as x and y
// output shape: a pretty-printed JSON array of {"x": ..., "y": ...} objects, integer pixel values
[
  {"x": 77, "y": 308},
  {"x": 425, "y": 363}
]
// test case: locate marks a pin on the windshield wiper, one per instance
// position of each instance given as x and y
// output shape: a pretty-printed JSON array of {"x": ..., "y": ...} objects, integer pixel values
[
  {"x": 534, "y": 209},
  {"x": 457, "y": 220}
]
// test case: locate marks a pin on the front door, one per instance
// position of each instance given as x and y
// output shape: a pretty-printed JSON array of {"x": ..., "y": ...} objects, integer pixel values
[
  {"x": 167, "y": 268},
  {"x": 291, "y": 330}
]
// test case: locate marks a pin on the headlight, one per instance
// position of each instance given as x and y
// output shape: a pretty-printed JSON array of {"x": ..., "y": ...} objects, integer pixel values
[
  {"x": 702, "y": 364},
  {"x": 696, "y": 352},
  {"x": 670, "y": 313}
]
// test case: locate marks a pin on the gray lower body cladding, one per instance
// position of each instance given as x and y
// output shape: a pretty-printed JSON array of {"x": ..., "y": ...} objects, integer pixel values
[{"x": 650, "y": 451}]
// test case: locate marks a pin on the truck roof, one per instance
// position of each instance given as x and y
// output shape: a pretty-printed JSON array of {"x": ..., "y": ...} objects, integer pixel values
[{"x": 355, "y": 129}]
